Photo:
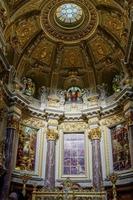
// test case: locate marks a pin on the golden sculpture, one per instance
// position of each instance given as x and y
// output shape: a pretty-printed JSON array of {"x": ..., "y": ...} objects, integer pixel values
[
  {"x": 69, "y": 191},
  {"x": 113, "y": 178}
]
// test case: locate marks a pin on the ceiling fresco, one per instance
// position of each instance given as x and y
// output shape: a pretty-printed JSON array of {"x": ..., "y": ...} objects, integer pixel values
[{"x": 61, "y": 43}]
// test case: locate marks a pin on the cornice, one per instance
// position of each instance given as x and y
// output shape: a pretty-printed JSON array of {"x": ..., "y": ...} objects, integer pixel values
[{"x": 35, "y": 108}]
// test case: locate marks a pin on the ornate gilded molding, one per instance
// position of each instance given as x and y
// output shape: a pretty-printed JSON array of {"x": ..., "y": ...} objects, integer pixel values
[
  {"x": 95, "y": 134},
  {"x": 52, "y": 134},
  {"x": 93, "y": 121},
  {"x": 112, "y": 120},
  {"x": 34, "y": 121},
  {"x": 57, "y": 33},
  {"x": 73, "y": 126},
  {"x": 53, "y": 122}
]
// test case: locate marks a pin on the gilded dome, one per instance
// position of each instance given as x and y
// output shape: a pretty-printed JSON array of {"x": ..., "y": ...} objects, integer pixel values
[{"x": 61, "y": 43}]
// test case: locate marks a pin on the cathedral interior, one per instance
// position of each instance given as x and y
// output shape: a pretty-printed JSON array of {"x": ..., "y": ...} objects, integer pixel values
[{"x": 66, "y": 99}]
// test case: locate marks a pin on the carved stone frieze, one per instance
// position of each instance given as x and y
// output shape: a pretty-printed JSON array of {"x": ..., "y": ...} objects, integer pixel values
[
  {"x": 53, "y": 122},
  {"x": 32, "y": 121},
  {"x": 73, "y": 127},
  {"x": 112, "y": 120}
]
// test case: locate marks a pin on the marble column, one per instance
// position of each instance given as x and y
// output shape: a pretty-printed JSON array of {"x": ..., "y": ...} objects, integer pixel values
[
  {"x": 52, "y": 135},
  {"x": 129, "y": 118},
  {"x": 128, "y": 111},
  {"x": 95, "y": 136},
  {"x": 10, "y": 148}
]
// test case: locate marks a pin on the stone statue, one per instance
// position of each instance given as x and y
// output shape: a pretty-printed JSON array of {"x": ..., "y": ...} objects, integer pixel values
[
  {"x": 85, "y": 95},
  {"x": 116, "y": 83},
  {"x": 61, "y": 95},
  {"x": 28, "y": 86},
  {"x": 102, "y": 90},
  {"x": 43, "y": 92}
]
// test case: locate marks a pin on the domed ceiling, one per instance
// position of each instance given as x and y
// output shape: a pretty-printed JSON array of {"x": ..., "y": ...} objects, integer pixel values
[{"x": 64, "y": 43}]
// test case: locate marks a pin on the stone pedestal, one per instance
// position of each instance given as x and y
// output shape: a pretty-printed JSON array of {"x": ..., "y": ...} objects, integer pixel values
[{"x": 95, "y": 136}]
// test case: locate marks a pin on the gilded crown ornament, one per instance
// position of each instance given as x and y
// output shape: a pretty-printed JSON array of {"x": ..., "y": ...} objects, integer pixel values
[
  {"x": 52, "y": 134},
  {"x": 95, "y": 134},
  {"x": 113, "y": 178}
]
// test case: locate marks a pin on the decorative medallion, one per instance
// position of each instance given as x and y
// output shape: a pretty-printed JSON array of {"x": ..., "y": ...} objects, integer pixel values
[{"x": 69, "y": 21}]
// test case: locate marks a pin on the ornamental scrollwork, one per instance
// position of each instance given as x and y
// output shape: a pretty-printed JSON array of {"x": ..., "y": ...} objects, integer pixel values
[
  {"x": 113, "y": 120},
  {"x": 56, "y": 32},
  {"x": 73, "y": 127}
]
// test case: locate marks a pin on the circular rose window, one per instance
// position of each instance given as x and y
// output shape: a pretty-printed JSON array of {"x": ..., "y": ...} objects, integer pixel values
[{"x": 69, "y": 15}]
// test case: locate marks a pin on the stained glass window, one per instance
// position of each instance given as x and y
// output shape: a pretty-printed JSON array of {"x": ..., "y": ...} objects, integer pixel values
[
  {"x": 74, "y": 161},
  {"x": 120, "y": 146},
  {"x": 69, "y": 13}
]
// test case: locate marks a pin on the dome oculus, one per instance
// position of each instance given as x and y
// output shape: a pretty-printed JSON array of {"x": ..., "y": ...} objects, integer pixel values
[
  {"x": 69, "y": 22},
  {"x": 69, "y": 13}
]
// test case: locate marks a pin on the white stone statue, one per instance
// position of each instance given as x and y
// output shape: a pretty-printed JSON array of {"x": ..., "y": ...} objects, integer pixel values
[{"x": 43, "y": 94}]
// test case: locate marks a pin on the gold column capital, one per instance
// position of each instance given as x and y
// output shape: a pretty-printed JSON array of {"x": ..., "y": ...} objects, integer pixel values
[
  {"x": 94, "y": 134},
  {"x": 52, "y": 134}
]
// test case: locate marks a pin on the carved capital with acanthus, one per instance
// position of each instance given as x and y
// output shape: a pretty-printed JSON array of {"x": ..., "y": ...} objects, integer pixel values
[
  {"x": 95, "y": 134},
  {"x": 52, "y": 134}
]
